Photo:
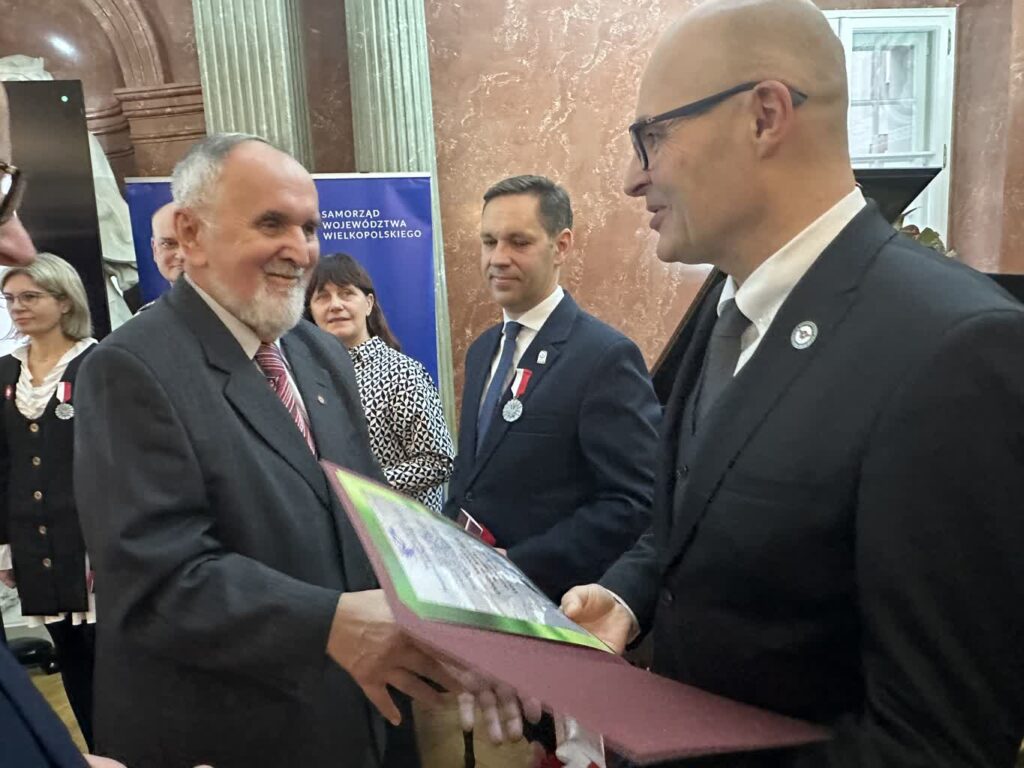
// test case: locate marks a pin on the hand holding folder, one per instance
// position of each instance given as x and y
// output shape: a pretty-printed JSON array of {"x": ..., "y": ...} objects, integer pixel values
[{"x": 462, "y": 600}]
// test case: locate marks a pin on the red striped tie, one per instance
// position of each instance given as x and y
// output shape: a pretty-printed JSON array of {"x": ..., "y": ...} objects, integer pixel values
[{"x": 271, "y": 362}]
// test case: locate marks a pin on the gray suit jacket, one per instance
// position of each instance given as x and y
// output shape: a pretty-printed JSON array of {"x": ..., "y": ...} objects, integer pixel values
[{"x": 219, "y": 550}]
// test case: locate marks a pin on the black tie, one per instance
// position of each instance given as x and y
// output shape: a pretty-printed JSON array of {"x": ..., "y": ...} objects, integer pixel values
[{"x": 722, "y": 356}]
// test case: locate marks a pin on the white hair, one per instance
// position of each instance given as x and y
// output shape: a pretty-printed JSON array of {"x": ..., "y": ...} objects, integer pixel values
[{"x": 196, "y": 174}]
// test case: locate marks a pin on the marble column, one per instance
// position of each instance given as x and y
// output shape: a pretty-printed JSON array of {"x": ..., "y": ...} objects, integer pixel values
[
  {"x": 252, "y": 68},
  {"x": 393, "y": 124}
]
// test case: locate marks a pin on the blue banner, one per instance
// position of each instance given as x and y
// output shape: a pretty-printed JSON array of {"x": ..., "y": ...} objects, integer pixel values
[{"x": 383, "y": 220}]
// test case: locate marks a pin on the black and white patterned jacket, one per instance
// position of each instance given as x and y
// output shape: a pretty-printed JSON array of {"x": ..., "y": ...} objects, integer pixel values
[{"x": 408, "y": 433}]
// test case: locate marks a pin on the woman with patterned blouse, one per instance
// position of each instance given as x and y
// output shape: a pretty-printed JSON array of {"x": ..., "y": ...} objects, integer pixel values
[{"x": 408, "y": 433}]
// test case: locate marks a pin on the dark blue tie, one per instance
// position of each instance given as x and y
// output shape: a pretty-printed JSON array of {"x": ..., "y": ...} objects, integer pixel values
[{"x": 490, "y": 404}]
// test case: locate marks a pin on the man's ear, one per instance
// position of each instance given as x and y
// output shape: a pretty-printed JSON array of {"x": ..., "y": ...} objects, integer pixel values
[
  {"x": 773, "y": 114},
  {"x": 188, "y": 229},
  {"x": 563, "y": 244}
]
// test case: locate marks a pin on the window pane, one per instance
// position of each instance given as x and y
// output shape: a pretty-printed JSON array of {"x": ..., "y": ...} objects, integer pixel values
[{"x": 889, "y": 92}]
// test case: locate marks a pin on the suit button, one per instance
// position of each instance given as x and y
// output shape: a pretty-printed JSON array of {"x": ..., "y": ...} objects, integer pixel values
[
  {"x": 469, "y": 495},
  {"x": 42, "y": 530},
  {"x": 666, "y": 596},
  {"x": 47, "y": 562},
  {"x": 33, "y": 427},
  {"x": 36, "y": 461},
  {"x": 38, "y": 495},
  {"x": 682, "y": 471}
]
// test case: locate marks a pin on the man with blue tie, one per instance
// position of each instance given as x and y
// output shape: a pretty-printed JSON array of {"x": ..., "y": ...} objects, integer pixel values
[{"x": 559, "y": 418}]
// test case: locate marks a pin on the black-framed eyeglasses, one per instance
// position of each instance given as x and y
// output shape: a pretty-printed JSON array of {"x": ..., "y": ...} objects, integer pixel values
[
  {"x": 12, "y": 187},
  {"x": 692, "y": 110}
]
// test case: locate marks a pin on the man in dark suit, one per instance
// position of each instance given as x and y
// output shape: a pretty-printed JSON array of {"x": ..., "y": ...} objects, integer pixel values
[
  {"x": 166, "y": 255},
  {"x": 240, "y": 621},
  {"x": 31, "y": 735},
  {"x": 559, "y": 419},
  {"x": 560, "y": 472},
  {"x": 837, "y": 525}
]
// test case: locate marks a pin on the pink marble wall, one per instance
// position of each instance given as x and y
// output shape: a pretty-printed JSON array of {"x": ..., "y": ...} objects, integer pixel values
[
  {"x": 548, "y": 86},
  {"x": 175, "y": 32}
]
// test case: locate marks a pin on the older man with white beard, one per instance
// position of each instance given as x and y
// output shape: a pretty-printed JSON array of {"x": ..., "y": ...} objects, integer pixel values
[{"x": 240, "y": 621}]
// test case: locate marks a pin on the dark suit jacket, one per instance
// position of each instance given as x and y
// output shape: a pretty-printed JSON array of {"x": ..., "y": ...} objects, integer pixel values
[
  {"x": 31, "y": 736},
  {"x": 220, "y": 552},
  {"x": 848, "y": 547},
  {"x": 567, "y": 488}
]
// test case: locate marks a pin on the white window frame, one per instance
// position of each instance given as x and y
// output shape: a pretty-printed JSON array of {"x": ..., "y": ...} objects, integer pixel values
[{"x": 933, "y": 204}]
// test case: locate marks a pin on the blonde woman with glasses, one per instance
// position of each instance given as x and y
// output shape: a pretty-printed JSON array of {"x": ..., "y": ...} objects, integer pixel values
[{"x": 42, "y": 552}]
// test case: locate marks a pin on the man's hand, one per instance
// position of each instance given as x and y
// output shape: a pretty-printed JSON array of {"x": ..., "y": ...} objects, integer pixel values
[
  {"x": 102, "y": 762},
  {"x": 595, "y": 609},
  {"x": 16, "y": 247},
  {"x": 367, "y": 643},
  {"x": 500, "y": 708},
  {"x": 7, "y": 578}
]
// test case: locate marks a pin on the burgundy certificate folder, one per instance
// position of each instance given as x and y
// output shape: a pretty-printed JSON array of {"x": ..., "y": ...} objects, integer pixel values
[{"x": 643, "y": 716}]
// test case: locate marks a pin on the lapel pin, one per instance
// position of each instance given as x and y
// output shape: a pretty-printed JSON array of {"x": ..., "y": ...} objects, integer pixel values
[
  {"x": 542, "y": 357},
  {"x": 320, "y": 399},
  {"x": 804, "y": 335}
]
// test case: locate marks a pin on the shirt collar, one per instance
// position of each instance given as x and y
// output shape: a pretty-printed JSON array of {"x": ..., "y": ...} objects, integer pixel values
[
  {"x": 764, "y": 292},
  {"x": 244, "y": 335},
  {"x": 535, "y": 318},
  {"x": 366, "y": 351},
  {"x": 21, "y": 353}
]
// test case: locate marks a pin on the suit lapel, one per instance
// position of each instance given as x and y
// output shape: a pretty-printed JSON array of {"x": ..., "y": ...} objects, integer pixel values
[
  {"x": 550, "y": 339},
  {"x": 694, "y": 338},
  {"x": 246, "y": 387},
  {"x": 823, "y": 296},
  {"x": 331, "y": 414}
]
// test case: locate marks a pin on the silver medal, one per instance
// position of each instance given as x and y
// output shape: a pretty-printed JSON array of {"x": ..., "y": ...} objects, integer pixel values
[
  {"x": 513, "y": 410},
  {"x": 65, "y": 411}
]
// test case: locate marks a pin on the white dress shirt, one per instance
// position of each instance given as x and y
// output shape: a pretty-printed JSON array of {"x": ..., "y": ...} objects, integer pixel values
[
  {"x": 762, "y": 294},
  {"x": 532, "y": 321}
]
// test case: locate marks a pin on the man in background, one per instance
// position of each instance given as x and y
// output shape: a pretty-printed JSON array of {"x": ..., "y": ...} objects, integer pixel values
[
  {"x": 559, "y": 419},
  {"x": 166, "y": 251}
]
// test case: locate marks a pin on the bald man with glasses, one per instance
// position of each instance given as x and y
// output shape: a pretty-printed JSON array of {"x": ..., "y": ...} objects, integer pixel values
[{"x": 837, "y": 528}]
